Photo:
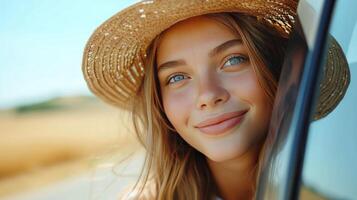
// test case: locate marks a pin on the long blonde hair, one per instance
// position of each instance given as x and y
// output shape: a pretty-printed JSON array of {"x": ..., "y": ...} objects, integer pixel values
[{"x": 174, "y": 168}]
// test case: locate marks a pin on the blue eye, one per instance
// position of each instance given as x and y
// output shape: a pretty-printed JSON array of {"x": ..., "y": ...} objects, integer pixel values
[
  {"x": 234, "y": 60},
  {"x": 176, "y": 78}
]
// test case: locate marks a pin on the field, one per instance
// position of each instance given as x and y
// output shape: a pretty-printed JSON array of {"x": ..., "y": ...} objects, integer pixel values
[{"x": 48, "y": 141}]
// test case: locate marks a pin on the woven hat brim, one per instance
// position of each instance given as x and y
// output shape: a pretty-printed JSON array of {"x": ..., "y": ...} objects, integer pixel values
[
  {"x": 113, "y": 57},
  {"x": 335, "y": 80}
]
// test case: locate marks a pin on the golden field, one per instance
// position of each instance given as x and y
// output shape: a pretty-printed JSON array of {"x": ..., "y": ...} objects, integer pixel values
[{"x": 48, "y": 141}]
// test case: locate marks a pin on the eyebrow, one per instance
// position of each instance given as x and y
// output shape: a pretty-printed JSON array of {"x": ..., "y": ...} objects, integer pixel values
[
  {"x": 170, "y": 64},
  {"x": 214, "y": 52},
  {"x": 225, "y": 46}
]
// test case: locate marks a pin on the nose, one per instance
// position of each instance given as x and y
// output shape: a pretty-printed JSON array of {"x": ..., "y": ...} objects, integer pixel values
[{"x": 211, "y": 93}]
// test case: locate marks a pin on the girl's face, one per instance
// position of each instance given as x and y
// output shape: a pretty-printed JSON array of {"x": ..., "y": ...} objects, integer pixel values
[{"x": 210, "y": 91}]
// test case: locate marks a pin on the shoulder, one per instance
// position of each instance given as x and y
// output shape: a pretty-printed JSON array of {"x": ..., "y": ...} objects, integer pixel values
[{"x": 133, "y": 193}]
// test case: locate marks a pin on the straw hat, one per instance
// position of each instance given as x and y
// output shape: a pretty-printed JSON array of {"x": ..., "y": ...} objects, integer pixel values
[{"x": 113, "y": 57}]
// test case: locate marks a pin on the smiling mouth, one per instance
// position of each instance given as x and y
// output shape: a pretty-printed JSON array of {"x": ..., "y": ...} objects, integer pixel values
[{"x": 222, "y": 123}]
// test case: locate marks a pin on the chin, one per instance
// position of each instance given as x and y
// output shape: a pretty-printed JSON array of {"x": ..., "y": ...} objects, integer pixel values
[{"x": 224, "y": 154}]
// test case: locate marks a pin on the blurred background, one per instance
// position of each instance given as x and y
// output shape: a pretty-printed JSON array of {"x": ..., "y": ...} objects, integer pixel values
[{"x": 57, "y": 140}]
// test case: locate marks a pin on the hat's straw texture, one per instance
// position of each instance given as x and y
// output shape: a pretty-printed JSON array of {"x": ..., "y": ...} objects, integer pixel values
[
  {"x": 335, "y": 80},
  {"x": 113, "y": 57}
]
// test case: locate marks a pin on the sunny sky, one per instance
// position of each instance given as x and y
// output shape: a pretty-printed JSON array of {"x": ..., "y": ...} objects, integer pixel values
[{"x": 42, "y": 43}]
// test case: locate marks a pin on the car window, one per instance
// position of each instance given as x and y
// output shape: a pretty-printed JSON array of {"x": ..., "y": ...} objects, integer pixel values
[
  {"x": 330, "y": 161},
  {"x": 293, "y": 106}
]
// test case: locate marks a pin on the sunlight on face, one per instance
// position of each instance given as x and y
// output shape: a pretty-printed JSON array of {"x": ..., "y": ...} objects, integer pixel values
[{"x": 210, "y": 92}]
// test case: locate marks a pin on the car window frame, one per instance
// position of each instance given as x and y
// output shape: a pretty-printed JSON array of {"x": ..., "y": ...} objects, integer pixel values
[{"x": 305, "y": 107}]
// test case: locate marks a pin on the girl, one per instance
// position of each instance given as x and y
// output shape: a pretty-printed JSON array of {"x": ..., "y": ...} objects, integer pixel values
[{"x": 199, "y": 78}]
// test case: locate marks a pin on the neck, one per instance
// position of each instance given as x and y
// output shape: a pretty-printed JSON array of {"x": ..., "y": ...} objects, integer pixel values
[{"x": 235, "y": 179}]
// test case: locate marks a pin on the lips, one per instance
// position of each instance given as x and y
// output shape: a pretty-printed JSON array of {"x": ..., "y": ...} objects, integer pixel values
[{"x": 221, "y": 123}]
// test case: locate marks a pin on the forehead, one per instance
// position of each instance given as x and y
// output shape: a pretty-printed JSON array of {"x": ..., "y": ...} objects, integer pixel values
[
  {"x": 200, "y": 32},
  {"x": 196, "y": 24}
]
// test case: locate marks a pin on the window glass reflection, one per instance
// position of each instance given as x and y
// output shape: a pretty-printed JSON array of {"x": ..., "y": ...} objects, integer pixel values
[{"x": 330, "y": 164}]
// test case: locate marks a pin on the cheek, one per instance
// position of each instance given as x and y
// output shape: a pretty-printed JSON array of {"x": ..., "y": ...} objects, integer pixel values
[
  {"x": 177, "y": 106},
  {"x": 248, "y": 90},
  {"x": 261, "y": 107}
]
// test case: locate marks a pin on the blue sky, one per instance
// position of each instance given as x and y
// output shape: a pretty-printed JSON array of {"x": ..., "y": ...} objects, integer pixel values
[{"x": 42, "y": 43}]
